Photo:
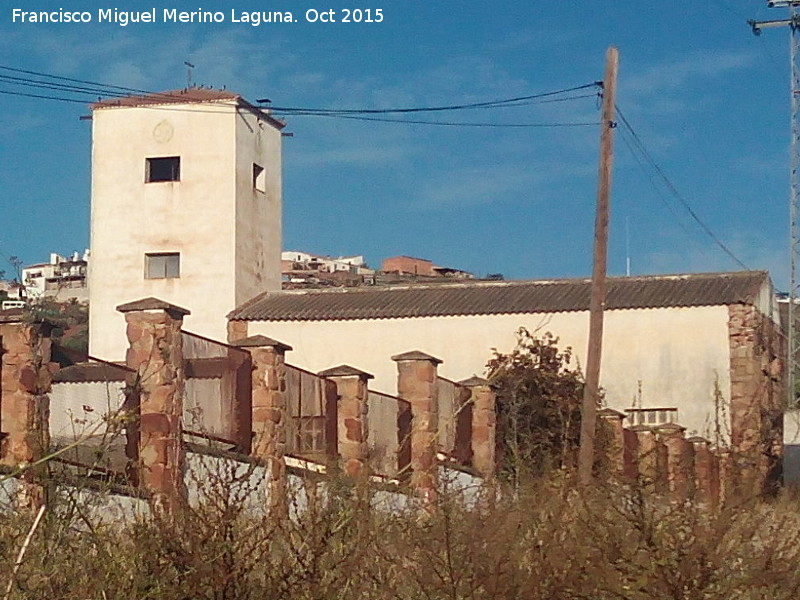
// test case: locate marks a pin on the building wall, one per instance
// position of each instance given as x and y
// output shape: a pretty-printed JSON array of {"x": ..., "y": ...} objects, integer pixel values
[
  {"x": 791, "y": 447},
  {"x": 258, "y": 213},
  {"x": 408, "y": 264},
  {"x": 227, "y": 234},
  {"x": 678, "y": 356}
]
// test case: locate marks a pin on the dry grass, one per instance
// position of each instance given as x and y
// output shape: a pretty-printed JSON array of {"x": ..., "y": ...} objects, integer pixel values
[{"x": 547, "y": 541}]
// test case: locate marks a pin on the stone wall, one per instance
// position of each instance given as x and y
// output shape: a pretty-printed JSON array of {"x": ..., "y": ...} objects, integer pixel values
[
  {"x": 24, "y": 404},
  {"x": 660, "y": 458},
  {"x": 755, "y": 398}
]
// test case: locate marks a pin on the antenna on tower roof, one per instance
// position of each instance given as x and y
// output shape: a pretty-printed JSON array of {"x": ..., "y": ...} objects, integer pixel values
[
  {"x": 627, "y": 248},
  {"x": 189, "y": 67}
]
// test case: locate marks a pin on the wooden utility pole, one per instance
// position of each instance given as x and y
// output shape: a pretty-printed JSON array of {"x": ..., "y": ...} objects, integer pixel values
[{"x": 597, "y": 303}]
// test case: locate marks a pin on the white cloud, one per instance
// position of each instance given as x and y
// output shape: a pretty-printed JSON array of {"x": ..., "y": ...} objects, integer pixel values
[
  {"x": 475, "y": 186},
  {"x": 24, "y": 122},
  {"x": 703, "y": 255},
  {"x": 347, "y": 155},
  {"x": 678, "y": 73}
]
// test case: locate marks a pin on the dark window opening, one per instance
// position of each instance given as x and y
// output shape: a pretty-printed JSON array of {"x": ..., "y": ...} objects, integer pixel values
[
  {"x": 164, "y": 265},
  {"x": 259, "y": 178},
  {"x": 167, "y": 168}
]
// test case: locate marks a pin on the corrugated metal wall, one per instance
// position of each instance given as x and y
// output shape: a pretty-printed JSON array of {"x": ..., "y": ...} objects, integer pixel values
[
  {"x": 305, "y": 401},
  {"x": 448, "y": 395},
  {"x": 204, "y": 409},
  {"x": 82, "y": 411},
  {"x": 382, "y": 433}
]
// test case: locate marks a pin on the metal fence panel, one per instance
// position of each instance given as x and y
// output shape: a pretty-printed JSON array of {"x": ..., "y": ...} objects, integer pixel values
[
  {"x": 205, "y": 410},
  {"x": 306, "y": 426},
  {"x": 382, "y": 437},
  {"x": 448, "y": 396},
  {"x": 195, "y": 346},
  {"x": 82, "y": 414}
]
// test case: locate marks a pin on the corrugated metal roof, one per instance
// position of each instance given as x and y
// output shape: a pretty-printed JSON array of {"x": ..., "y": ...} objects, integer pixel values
[
  {"x": 483, "y": 298},
  {"x": 186, "y": 96},
  {"x": 84, "y": 372}
]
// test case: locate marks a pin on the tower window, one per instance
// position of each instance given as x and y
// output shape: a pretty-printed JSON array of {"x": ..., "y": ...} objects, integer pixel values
[
  {"x": 259, "y": 178},
  {"x": 162, "y": 265},
  {"x": 167, "y": 168}
]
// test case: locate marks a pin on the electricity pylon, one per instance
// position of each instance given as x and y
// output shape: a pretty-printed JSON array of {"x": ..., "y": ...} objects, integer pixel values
[{"x": 792, "y": 341}]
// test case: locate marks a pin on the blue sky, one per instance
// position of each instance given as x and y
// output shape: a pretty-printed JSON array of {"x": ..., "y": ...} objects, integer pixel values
[{"x": 707, "y": 98}]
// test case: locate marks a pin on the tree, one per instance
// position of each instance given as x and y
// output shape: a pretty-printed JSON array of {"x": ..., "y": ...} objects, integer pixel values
[{"x": 539, "y": 398}]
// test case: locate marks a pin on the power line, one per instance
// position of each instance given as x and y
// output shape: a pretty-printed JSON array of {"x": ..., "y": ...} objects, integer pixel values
[
  {"x": 336, "y": 116},
  {"x": 94, "y": 91},
  {"x": 334, "y": 112},
  {"x": 658, "y": 190},
  {"x": 102, "y": 86},
  {"x": 17, "y": 81},
  {"x": 452, "y": 107},
  {"x": 42, "y": 97},
  {"x": 96, "y": 88},
  {"x": 674, "y": 191},
  {"x": 652, "y": 183},
  {"x": 121, "y": 91},
  {"x": 455, "y": 123}
]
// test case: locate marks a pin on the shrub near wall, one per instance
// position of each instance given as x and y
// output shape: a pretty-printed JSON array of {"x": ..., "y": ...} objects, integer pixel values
[{"x": 545, "y": 541}]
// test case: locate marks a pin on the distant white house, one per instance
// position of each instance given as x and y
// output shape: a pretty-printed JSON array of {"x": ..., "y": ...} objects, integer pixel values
[
  {"x": 293, "y": 261},
  {"x": 12, "y": 289},
  {"x": 62, "y": 278}
]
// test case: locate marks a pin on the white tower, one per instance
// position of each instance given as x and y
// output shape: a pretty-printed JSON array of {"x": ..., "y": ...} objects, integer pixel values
[{"x": 186, "y": 207}]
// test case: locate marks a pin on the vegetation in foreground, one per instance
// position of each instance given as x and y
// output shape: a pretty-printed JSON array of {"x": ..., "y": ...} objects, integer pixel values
[
  {"x": 545, "y": 541},
  {"x": 533, "y": 535}
]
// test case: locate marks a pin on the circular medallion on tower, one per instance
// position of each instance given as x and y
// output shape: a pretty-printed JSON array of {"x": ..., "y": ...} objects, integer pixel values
[{"x": 163, "y": 132}]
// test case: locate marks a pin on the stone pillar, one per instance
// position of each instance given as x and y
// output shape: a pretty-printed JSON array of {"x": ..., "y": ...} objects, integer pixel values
[
  {"x": 706, "y": 472},
  {"x": 416, "y": 383},
  {"x": 630, "y": 454},
  {"x": 614, "y": 435},
  {"x": 680, "y": 461},
  {"x": 352, "y": 414},
  {"x": 651, "y": 459},
  {"x": 755, "y": 399},
  {"x": 237, "y": 330},
  {"x": 269, "y": 411},
  {"x": 484, "y": 425},
  {"x": 155, "y": 353},
  {"x": 25, "y": 407}
]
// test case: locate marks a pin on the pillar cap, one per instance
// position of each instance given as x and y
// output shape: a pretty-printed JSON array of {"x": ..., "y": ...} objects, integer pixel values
[
  {"x": 416, "y": 355},
  {"x": 640, "y": 429},
  {"x": 670, "y": 428},
  {"x": 261, "y": 341},
  {"x": 153, "y": 304},
  {"x": 610, "y": 412},
  {"x": 474, "y": 381},
  {"x": 345, "y": 371},
  {"x": 697, "y": 439}
]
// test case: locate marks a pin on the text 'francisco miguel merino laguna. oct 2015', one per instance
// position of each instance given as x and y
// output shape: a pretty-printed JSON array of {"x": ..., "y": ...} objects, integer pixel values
[{"x": 123, "y": 18}]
